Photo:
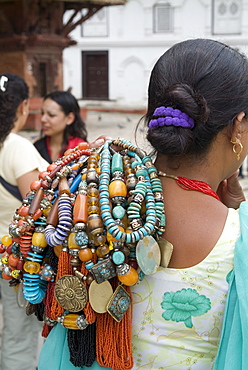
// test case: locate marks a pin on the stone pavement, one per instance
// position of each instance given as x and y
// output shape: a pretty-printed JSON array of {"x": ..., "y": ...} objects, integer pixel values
[{"x": 118, "y": 125}]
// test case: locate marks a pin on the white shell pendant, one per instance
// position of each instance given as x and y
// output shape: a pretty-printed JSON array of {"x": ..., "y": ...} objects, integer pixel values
[
  {"x": 166, "y": 249},
  {"x": 99, "y": 295},
  {"x": 148, "y": 255}
]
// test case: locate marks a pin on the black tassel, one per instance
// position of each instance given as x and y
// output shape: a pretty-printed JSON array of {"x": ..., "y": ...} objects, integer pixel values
[
  {"x": 82, "y": 346},
  {"x": 53, "y": 259},
  {"x": 39, "y": 313}
]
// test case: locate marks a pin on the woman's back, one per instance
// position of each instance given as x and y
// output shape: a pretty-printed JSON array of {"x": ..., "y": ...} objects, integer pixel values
[{"x": 178, "y": 311}]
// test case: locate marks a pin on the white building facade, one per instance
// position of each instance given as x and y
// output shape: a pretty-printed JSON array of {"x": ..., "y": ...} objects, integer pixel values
[{"x": 117, "y": 48}]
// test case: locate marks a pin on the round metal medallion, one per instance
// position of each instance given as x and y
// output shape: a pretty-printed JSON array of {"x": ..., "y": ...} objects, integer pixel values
[{"x": 71, "y": 293}]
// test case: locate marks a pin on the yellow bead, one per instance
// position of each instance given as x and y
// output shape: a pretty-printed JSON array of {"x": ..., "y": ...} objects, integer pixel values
[
  {"x": 117, "y": 188},
  {"x": 130, "y": 278},
  {"x": 5, "y": 260},
  {"x": 31, "y": 267},
  {"x": 39, "y": 240},
  {"x": 6, "y": 240},
  {"x": 70, "y": 321},
  {"x": 46, "y": 211},
  {"x": 71, "y": 241},
  {"x": 93, "y": 192},
  {"x": 15, "y": 274}
]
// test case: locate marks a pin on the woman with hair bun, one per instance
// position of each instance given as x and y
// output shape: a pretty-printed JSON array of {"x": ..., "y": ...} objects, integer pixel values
[
  {"x": 191, "y": 313},
  {"x": 20, "y": 164},
  {"x": 197, "y": 126}
]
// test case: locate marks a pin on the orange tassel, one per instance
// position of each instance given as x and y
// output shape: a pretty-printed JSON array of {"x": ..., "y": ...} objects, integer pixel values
[
  {"x": 64, "y": 268},
  {"x": 46, "y": 330},
  {"x": 90, "y": 314},
  {"x": 48, "y": 303},
  {"x": 114, "y": 341}
]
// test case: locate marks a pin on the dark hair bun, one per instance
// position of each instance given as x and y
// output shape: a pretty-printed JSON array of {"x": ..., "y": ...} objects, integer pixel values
[{"x": 184, "y": 97}]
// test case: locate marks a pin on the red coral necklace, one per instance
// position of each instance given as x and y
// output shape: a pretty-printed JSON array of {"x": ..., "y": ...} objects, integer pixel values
[{"x": 188, "y": 184}]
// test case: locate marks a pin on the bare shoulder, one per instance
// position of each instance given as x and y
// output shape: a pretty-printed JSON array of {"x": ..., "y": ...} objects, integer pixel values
[{"x": 194, "y": 224}]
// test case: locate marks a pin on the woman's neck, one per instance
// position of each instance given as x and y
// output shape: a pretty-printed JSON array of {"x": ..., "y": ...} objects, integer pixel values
[
  {"x": 56, "y": 144},
  {"x": 200, "y": 170}
]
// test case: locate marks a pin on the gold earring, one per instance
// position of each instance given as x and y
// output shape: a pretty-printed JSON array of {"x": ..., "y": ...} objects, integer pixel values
[{"x": 237, "y": 142}]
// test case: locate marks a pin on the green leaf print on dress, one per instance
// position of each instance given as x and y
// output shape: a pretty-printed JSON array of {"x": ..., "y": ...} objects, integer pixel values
[{"x": 183, "y": 304}]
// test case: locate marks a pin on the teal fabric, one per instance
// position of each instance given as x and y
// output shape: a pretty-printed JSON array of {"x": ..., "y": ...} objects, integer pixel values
[
  {"x": 233, "y": 349},
  {"x": 55, "y": 353}
]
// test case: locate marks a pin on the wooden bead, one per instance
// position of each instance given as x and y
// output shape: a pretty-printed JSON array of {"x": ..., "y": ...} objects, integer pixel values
[
  {"x": 37, "y": 214},
  {"x": 52, "y": 218},
  {"x": 64, "y": 187},
  {"x": 95, "y": 224},
  {"x": 36, "y": 202}
]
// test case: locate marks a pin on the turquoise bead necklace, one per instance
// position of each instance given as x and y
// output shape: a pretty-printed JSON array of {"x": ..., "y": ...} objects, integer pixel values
[{"x": 148, "y": 188}]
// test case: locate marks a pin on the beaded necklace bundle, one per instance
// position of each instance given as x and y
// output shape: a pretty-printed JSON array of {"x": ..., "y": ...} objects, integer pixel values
[{"x": 84, "y": 234}]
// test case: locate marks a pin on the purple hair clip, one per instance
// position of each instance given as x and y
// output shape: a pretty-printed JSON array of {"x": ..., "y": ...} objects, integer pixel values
[{"x": 171, "y": 117}]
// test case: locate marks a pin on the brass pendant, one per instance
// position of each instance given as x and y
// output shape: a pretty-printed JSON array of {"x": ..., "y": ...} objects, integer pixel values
[
  {"x": 119, "y": 303},
  {"x": 148, "y": 255},
  {"x": 166, "y": 249},
  {"x": 99, "y": 295},
  {"x": 71, "y": 293}
]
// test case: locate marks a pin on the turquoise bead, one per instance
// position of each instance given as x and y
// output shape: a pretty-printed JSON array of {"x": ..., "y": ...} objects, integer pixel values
[
  {"x": 118, "y": 257},
  {"x": 89, "y": 265},
  {"x": 128, "y": 238},
  {"x": 113, "y": 228},
  {"x": 118, "y": 212},
  {"x": 119, "y": 235},
  {"x": 135, "y": 163},
  {"x": 141, "y": 173},
  {"x": 117, "y": 164}
]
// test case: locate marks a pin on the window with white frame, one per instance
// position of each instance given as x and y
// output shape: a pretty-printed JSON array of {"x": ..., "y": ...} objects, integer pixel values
[
  {"x": 97, "y": 25},
  {"x": 162, "y": 18},
  {"x": 226, "y": 18}
]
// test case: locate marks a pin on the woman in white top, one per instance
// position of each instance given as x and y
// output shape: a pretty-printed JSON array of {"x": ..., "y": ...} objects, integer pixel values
[{"x": 20, "y": 164}]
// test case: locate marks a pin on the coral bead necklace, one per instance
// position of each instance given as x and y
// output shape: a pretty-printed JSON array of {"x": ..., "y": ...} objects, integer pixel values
[{"x": 188, "y": 184}]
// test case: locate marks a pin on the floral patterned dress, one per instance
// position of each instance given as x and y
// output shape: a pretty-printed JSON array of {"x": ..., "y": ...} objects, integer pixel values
[{"x": 178, "y": 313}]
